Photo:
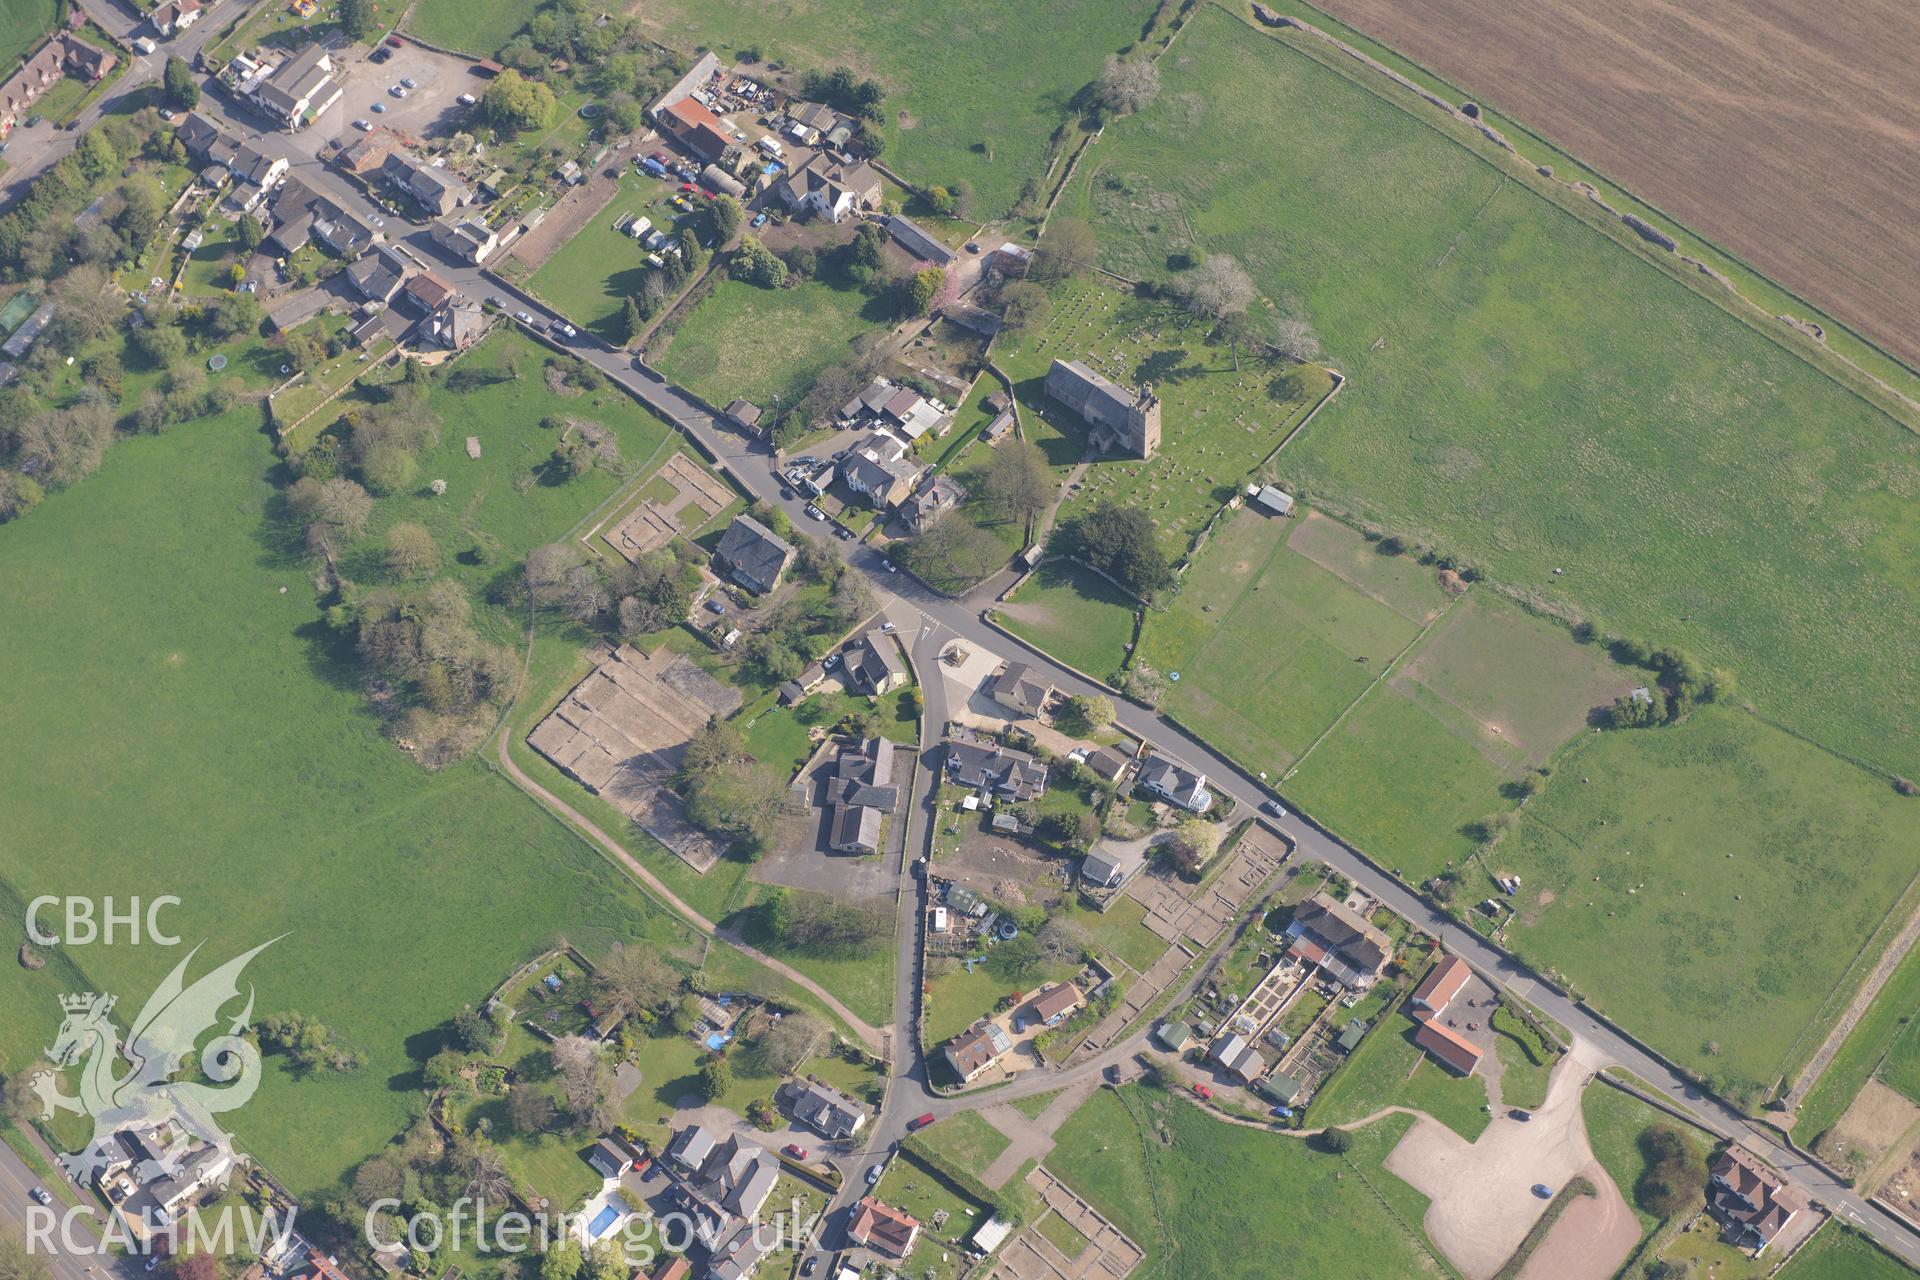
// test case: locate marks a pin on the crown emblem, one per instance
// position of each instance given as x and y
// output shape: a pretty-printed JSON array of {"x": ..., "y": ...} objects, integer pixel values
[{"x": 84, "y": 1002}]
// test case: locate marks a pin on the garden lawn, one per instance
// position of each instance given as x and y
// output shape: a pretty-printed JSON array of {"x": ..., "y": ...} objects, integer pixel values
[
  {"x": 1161, "y": 1184},
  {"x": 1120, "y": 932},
  {"x": 593, "y": 274},
  {"x": 471, "y": 28},
  {"x": 1531, "y": 395},
  {"x": 979, "y": 111},
  {"x": 23, "y": 25},
  {"x": 1388, "y": 1069},
  {"x": 1269, "y": 647},
  {"x": 745, "y": 342},
  {"x": 958, "y": 999},
  {"x": 1615, "y": 1121},
  {"x": 1659, "y": 861},
  {"x": 1525, "y": 1061},
  {"x": 1840, "y": 1253},
  {"x": 1217, "y": 421},
  {"x": 863, "y": 979},
  {"x": 964, "y": 1141},
  {"x": 1073, "y": 614},
  {"x": 180, "y": 723}
]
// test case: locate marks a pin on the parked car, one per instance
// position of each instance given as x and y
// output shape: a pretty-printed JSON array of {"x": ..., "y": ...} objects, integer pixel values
[
  {"x": 364, "y": 126},
  {"x": 1274, "y": 807},
  {"x": 1518, "y": 1114},
  {"x": 874, "y": 1172},
  {"x": 1542, "y": 1190},
  {"x": 795, "y": 1150},
  {"x": 889, "y": 564},
  {"x": 379, "y": 55},
  {"x": 831, "y": 661},
  {"x": 523, "y": 317},
  {"x": 716, "y": 604},
  {"x": 1203, "y": 1091},
  {"x": 396, "y": 42},
  {"x": 466, "y": 100},
  {"x": 760, "y": 219},
  {"x": 845, "y": 535},
  {"x": 1285, "y": 1113},
  {"x": 409, "y": 82},
  {"x": 815, "y": 513},
  {"x": 1113, "y": 1075},
  {"x": 919, "y": 1122},
  {"x": 379, "y": 108},
  {"x": 787, "y": 493},
  {"x": 40, "y": 1196},
  {"x": 808, "y": 1267},
  {"x": 887, "y": 628},
  {"x": 496, "y": 301}
]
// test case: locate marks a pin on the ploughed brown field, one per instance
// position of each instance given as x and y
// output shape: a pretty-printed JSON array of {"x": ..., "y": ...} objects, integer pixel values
[{"x": 1785, "y": 131}]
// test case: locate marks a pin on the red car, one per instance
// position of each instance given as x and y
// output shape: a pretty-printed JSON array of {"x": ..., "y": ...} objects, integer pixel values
[
  {"x": 688, "y": 186},
  {"x": 1203, "y": 1091},
  {"x": 396, "y": 42},
  {"x": 921, "y": 1123},
  {"x": 795, "y": 1150}
]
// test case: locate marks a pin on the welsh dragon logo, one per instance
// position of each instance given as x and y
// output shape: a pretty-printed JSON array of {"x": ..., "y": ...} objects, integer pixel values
[{"x": 159, "y": 1045}]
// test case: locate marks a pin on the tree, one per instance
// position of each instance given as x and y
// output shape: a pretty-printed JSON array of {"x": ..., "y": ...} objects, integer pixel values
[
  {"x": 356, "y": 18},
  {"x": 1336, "y": 1142},
  {"x": 754, "y": 263},
  {"x": 1671, "y": 1179},
  {"x": 196, "y": 1266},
  {"x": 561, "y": 1261},
  {"x": 634, "y": 979},
  {"x": 716, "y": 1077},
  {"x": 1218, "y": 287},
  {"x": 513, "y": 103},
  {"x": 1018, "y": 960},
  {"x": 1061, "y": 942},
  {"x": 1193, "y": 842},
  {"x": 1025, "y": 305},
  {"x": 1120, "y": 542},
  {"x": 443, "y": 1069},
  {"x": 1067, "y": 249},
  {"x": 249, "y": 232},
  {"x": 785, "y": 1047},
  {"x": 19, "y": 1262},
  {"x": 389, "y": 469},
  {"x": 727, "y": 216},
  {"x": 411, "y": 551},
  {"x": 1091, "y": 711},
  {"x": 918, "y": 292},
  {"x": 954, "y": 551},
  {"x": 476, "y": 1032},
  {"x": 1017, "y": 485},
  {"x": 1126, "y": 85},
  {"x": 529, "y": 1109},
  {"x": 178, "y": 86}
]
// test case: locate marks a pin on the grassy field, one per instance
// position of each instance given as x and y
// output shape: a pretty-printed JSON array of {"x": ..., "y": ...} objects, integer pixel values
[
  {"x": 593, "y": 274},
  {"x": 1401, "y": 783},
  {"x": 979, "y": 111},
  {"x": 23, "y": 25},
  {"x": 863, "y": 979},
  {"x": 1217, "y": 421},
  {"x": 1882, "y": 1042},
  {"x": 1161, "y": 1184},
  {"x": 1839, "y": 1253},
  {"x": 752, "y": 343},
  {"x": 1270, "y": 648},
  {"x": 180, "y": 723},
  {"x": 1074, "y": 614},
  {"x": 1659, "y": 862},
  {"x": 1388, "y": 1069},
  {"x": 458, "y": 24},
  {"x": 1489, "y": 333}
]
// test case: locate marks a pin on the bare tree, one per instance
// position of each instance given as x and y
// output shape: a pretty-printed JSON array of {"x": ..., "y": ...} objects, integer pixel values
[
  {"x": 1218, "y": 287},
  {"x": 1126, "y": 85},
  {"x": 573, "y": 1053},
  {"x": 1295, "y": 339},
  {"x": 631, "y": 979},
  {"x": 487, "y": 1177},
  {"x": 784, "y": 1047}
]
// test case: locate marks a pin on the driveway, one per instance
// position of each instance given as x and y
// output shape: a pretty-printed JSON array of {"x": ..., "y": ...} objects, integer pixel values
[{"x": 1482, "y": 1199}]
